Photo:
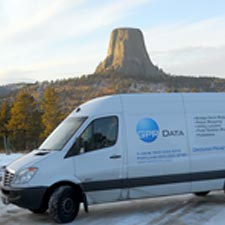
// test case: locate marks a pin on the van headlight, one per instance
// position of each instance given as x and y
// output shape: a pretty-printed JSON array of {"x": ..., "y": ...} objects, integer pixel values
[{"x": 25, "y": 176}]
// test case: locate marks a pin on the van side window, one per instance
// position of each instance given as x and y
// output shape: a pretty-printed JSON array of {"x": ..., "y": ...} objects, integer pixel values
[{"x": 101, "y": 133}]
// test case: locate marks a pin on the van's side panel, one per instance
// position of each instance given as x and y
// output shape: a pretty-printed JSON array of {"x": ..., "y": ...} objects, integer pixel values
[
  {"x": 158, "y": 157},
  {"x": 206, "y": 125}
]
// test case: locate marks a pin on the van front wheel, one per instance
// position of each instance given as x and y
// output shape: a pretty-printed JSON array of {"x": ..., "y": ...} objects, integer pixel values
[{"x": 64, "y": 205}]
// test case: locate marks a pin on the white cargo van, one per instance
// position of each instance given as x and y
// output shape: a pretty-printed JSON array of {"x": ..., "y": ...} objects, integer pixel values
[{"x": 123, "y": 147}]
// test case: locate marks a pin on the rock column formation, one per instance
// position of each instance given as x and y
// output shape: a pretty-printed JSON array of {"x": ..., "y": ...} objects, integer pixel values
[{"x": 127, "y": 55}]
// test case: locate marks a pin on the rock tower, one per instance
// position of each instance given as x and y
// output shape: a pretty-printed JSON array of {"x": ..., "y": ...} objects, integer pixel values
[{"x": 127, "y": 55}]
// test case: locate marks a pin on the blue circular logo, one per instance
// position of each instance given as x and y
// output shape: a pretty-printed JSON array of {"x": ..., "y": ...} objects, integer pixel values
[{"x": 147, "y": 130}]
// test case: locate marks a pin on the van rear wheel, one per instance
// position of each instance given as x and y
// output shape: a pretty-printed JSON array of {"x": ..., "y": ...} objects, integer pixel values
[
  {"x": 202, "y": 194},
  {"x": 64, "y": 204}
]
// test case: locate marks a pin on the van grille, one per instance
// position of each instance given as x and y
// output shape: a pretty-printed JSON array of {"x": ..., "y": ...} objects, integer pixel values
[{"x": 8, "y": 178}]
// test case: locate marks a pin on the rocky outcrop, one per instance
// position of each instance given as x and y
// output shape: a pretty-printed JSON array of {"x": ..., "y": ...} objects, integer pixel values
[{"x": 127, "y": 54}]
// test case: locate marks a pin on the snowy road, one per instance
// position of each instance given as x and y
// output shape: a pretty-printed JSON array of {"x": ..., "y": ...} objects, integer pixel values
[{"x": 174, "y": 210}]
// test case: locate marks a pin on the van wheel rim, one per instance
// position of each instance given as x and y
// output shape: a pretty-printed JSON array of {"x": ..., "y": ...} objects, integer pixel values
[{"x": 68, "y": 205}]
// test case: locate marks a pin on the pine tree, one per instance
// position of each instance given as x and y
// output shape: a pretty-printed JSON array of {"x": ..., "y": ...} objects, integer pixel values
[
  {"x": 25, "y": 123},
  {"x": 4, "y": 118},
  {"x": 51, "y": 113}
]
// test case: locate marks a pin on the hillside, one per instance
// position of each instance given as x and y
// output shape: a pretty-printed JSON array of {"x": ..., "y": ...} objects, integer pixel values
[
  {"x": 8, "y": 89},
  {"x": 73, "y": 92}
]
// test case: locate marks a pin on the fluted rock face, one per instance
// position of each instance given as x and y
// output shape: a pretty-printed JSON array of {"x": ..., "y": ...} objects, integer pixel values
[{"x": 127, "y": 55}]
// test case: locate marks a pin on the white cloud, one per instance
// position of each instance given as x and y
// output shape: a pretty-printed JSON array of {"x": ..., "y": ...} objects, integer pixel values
[
  {"x": 190, "y": 48},
  {"x": 26, "y": 15},
  {"x": 202, "y": 33},
  {"x": 58, "y": 67},
  {"x": 51, "y": 20},
  {"x": 86, "y": 21},
  {"x": 16, "y": 76},
  {"x": 33, "y": 35}
]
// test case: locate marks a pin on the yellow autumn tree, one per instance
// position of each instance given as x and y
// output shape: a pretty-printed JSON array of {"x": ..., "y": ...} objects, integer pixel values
[
  {"x": 51, "y": 113},
  {"x": 4, "y": 118},
  {"x": 25, "y": 122}
]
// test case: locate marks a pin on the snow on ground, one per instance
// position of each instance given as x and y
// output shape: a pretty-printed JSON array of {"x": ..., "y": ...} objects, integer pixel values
[{"x": 173, "y": 210}]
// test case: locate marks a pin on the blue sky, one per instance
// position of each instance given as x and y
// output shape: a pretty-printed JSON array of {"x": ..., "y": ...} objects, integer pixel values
[{"x": 49, "y": 40}]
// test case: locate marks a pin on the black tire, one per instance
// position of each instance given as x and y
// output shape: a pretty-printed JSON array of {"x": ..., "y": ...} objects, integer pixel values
[
  {"x": 64, "y": 204},
  {"x": 202, "y": 194}
]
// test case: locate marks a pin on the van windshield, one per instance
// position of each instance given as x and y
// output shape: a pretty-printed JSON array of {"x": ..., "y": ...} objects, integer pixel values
[{"x": 61, "y": 135}]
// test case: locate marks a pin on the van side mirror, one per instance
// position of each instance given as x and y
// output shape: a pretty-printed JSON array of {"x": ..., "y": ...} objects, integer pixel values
[
  {"x": 79, "y": 144},
  {"x": 82, "y": 150},
  {"x": 82, "y": 145}
]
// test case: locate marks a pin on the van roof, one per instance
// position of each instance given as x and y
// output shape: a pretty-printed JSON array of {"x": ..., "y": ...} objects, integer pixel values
[{"x": 119, "y": 102}]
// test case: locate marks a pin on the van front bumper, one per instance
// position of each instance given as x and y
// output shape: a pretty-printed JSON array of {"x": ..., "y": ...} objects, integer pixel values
[{"x": 29, "y": 198}]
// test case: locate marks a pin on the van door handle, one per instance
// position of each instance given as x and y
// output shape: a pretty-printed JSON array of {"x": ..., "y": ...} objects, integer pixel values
[{"x": 115, "y": 157}]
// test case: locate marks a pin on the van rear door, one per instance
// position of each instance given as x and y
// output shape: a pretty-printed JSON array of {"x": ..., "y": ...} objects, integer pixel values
[{"x": 206, "y": 126}]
